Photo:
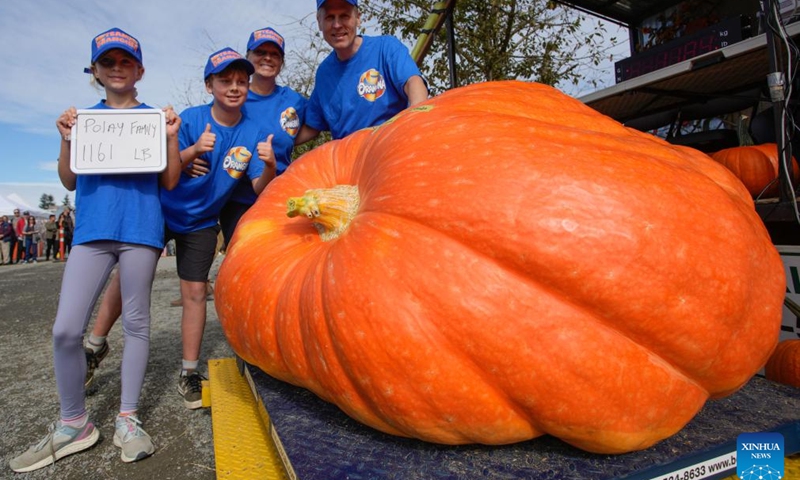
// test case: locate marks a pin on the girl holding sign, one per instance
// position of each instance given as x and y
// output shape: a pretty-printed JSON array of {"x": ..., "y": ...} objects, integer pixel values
[
  {"x": 232, "y": 147},
  {"x": 133, "y": 238}
]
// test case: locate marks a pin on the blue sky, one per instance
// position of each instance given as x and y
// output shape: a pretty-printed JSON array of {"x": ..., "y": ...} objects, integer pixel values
[{"x": 45, "y": 44}]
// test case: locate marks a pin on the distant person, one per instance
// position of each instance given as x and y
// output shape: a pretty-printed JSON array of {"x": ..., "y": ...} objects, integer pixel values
[
  {"x": 363, "y": 82},
  {"x": 50, "y": 235},
  {"x": 31, "y": 233},
  {"x": 131, "y": 236},
  {"x": 69, "y": 230},
  {"x": 222, "y": 137},
  {"x": 7, "y": 239},
  {"x": 19, "y": 222}
]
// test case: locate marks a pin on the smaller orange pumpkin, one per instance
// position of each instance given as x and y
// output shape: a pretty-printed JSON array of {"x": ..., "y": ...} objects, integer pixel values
[
  {"x": 784, "y": 364},
  {"x": 756, "y": 166}
]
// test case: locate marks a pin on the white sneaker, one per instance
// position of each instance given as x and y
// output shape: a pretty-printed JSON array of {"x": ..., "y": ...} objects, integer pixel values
[{"x": 129, "y": 436}]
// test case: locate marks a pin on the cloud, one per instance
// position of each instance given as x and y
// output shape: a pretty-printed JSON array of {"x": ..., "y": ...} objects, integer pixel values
[{"x": 48, "y": 166}]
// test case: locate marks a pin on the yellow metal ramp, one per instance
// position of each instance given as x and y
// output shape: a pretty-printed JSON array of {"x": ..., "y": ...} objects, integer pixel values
[{"x": 242, "y": 445}]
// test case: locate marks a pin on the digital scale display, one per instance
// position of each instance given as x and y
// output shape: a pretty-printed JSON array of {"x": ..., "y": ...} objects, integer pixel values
[{"x": 718, "y": 36}]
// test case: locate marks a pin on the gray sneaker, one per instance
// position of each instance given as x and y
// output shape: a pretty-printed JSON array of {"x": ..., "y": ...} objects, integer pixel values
[
  {"x": 60, "y": 441},
  {"x": 129, "y": 436},
  {"x": 191, "y": 388},
  {"x": 93, "y": 360}
]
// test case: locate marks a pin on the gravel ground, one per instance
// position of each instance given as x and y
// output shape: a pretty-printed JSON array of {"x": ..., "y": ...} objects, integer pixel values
[{"x": 183, "y": 438}]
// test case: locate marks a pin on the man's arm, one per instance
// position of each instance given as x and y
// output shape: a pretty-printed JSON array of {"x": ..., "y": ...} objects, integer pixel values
[{"x": 415, "y": 90}]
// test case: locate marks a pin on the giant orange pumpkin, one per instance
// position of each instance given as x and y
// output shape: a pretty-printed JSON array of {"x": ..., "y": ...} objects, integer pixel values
[
  {"x": 503, "y": 262},
  {"x": 756, "y": 166}
]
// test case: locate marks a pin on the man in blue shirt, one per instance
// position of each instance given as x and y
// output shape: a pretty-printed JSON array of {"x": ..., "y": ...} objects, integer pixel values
[{"x": 363, "y": 82}]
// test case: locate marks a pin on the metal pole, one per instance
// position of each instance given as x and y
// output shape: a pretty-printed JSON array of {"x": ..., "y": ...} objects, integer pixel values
[
  {"x": 451, "y": 47},
  {"x": 776, "y": 83}
]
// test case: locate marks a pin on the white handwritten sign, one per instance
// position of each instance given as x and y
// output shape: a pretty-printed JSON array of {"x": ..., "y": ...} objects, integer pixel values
[{"x": 119, "y": 141}]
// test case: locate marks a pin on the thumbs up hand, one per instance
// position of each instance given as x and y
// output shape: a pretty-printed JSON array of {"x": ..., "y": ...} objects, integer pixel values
[
  {"x": 266, "y": 153},
  {"x": 206, "y": 141}
]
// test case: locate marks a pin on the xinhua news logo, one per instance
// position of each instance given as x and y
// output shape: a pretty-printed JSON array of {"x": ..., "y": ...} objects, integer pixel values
[{"x": 759, "y": 456}]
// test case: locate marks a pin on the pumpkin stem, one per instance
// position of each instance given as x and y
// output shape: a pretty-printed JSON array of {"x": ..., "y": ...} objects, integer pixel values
[
  {"x": 741, "y": 130},
  {"x": 330, "y": 209}
]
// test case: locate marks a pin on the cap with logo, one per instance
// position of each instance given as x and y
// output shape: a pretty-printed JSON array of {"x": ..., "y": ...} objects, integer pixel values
[
  {"x": 264, "y": 35},
  {"x": 222, "y": 59},
  {"x": 115, "y": 38},
  {"x": 320, "y": 3}
]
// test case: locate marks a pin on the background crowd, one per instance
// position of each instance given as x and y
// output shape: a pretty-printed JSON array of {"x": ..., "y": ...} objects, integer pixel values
[{"x": 25, "y": 239}]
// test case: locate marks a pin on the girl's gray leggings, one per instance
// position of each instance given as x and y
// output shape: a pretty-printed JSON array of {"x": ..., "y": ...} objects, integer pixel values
[{"x": 85, "y": 275}]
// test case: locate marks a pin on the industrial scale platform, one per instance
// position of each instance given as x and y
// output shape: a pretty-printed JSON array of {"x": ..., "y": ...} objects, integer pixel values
[{"x": 267, "y": 429}]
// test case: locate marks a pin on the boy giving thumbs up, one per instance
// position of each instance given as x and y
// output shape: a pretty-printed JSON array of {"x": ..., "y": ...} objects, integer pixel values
[{"x": 220, "y": 147}]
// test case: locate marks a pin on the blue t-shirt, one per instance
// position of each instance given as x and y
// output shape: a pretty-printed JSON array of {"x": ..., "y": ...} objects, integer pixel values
[
  {"x": 195, "y": 203},
  {"x": 362, "y": 91},
  {"x": 119, "y": 207},
  {"x": 280, "y": 113}
]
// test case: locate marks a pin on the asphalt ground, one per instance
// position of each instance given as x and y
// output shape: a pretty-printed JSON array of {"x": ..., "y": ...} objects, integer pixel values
[{"x": 29, "y": 401}]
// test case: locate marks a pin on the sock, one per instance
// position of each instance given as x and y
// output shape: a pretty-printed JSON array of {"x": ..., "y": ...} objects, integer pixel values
[
  {"x": 95, "y": 342},
  {"x": 188, "y": 366},
  {"x": 77, "y": 422}
]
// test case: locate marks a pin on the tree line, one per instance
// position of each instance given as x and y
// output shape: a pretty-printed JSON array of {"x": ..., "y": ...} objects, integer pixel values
[{"x": 47, "y": 201}]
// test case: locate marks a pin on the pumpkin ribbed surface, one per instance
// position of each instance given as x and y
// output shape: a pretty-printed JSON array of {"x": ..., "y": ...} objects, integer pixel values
[{"x": 517, "y": 265}]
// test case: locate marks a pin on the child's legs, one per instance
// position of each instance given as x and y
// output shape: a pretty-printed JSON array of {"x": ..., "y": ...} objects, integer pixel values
[
  {"x": 84, "y": 277},
  {"x": 137, "y": 267},
  {"x": 195, "y": 255},
  {"x": 229, "y": 218},
  {"x": 110, "y": 309}
]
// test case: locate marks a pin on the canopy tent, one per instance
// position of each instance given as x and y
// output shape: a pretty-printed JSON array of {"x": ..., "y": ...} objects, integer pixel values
[
  {"x": 16, "y": 202},
  {"x": 6, "y": 207}
]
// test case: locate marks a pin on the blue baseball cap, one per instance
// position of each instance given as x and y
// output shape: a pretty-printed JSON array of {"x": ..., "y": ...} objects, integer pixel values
[
  {"x": 222, "y": 59},
  {"x": 264, "y": 35},
  {"x": 320, "y": 3},
  {"x": 116, "y": 38}
]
